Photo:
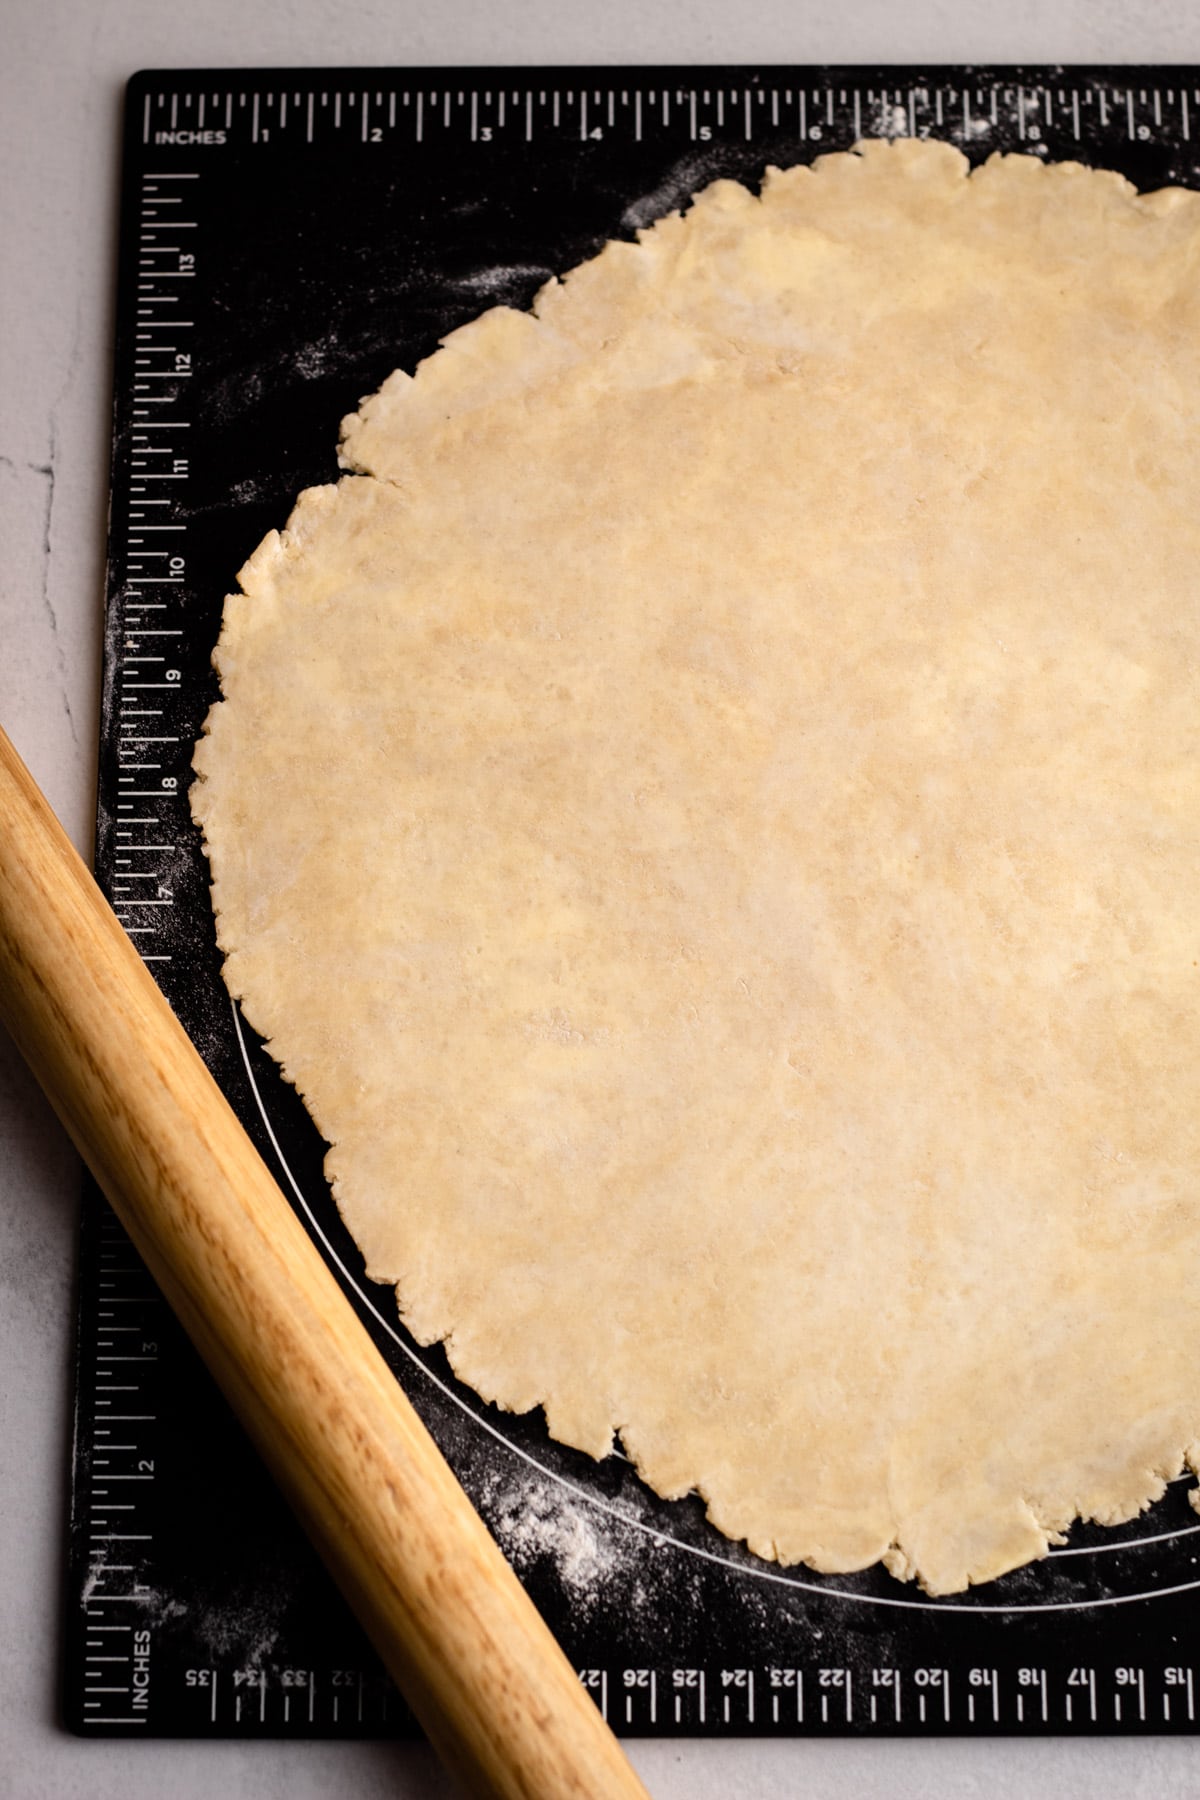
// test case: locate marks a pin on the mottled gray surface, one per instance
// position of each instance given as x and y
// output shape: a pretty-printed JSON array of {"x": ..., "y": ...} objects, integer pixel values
[{"x": 60, "y": 77}]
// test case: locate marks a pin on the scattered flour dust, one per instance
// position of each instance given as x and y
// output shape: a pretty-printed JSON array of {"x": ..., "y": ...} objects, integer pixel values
[{"x": 536, "y": 1519}]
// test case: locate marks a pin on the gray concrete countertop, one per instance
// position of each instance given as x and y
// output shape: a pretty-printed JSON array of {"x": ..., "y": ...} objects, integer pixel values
[{"x": 62, "y": 68}]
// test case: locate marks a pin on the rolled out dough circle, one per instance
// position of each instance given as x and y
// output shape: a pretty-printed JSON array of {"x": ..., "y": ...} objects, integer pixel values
[{"x": 707, "y": 816}]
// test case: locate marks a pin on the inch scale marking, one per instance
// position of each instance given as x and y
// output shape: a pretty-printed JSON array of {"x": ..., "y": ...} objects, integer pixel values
[
  {"x": 280, "y": 1699},
  {"x": 151, "y": 781},
  {"x": 119, "y": 1395},
  {"x": 961, "y": 1701},
  {"x": 241, "y": 343},
  {"x": 838, "y": 111}
]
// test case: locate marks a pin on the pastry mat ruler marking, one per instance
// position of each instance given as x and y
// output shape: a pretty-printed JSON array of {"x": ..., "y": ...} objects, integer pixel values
[{"x": 288, "y": 238}]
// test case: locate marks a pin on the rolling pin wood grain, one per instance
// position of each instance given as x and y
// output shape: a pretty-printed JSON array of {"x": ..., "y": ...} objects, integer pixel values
[{"x": 450, "y": 1620}]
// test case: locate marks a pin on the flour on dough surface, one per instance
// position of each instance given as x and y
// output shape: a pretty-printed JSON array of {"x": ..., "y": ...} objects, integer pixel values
[{"x": 707, "y": 815}]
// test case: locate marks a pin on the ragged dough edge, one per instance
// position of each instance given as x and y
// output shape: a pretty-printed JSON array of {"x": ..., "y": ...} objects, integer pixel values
[
  {"x": 505, "y": 356},
  {"x": 1025, "y": 1532}
]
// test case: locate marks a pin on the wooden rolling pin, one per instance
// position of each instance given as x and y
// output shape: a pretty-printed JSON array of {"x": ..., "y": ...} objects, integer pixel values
[{"x": 445, "y": 1612}]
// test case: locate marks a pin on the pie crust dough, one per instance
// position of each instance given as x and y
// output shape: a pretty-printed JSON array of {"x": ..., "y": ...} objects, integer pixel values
[{"x": 706, "y": 813}]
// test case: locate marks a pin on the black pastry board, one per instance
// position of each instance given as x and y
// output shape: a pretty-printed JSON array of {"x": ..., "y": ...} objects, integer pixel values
[{"x": 288, "y": 237}]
